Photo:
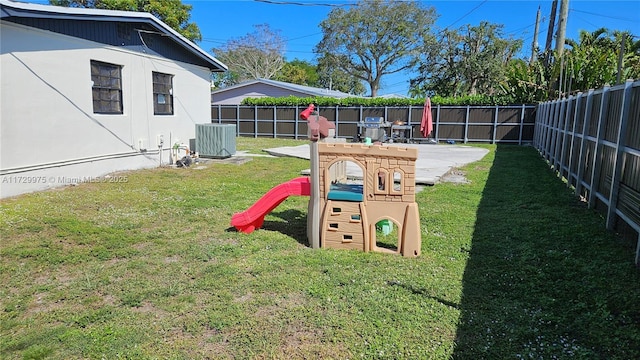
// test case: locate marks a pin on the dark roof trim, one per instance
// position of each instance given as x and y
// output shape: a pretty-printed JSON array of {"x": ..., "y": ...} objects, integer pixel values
[{"x": 18, "y": 9}]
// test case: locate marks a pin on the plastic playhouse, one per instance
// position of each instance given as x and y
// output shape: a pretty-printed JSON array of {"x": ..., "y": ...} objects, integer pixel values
[{"x": 343, "y": 213}]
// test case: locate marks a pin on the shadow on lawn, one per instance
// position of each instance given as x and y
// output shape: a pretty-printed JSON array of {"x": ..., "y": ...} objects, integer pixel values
[
  {"x": 294, "y": 224},
  {"x": 543, "y": 278}
]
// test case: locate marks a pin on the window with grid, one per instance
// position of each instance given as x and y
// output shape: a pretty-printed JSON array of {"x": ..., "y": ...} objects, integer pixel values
[
  {"x": 107, "y": 87},
  {"x": 162, "y": 94}
]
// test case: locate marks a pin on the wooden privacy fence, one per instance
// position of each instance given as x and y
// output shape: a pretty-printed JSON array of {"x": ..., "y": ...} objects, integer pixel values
[
  {"x": 504, "y": 124},
  {"x": 592, "y": 140}
]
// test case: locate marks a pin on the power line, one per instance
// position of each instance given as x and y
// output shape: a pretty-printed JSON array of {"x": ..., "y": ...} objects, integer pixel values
[
  {"x": 302, "y": 3},
  {"x": 467, "y": 14},
  {"x": 605, "y": 16},
  {"x": 304, "y": 36},
  {"x": 588, "y": 22}
]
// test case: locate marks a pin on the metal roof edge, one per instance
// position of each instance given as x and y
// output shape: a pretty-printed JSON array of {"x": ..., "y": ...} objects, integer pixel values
[
  {"x": 309, "y": 90},
  {"x": 13, "y": 8}
]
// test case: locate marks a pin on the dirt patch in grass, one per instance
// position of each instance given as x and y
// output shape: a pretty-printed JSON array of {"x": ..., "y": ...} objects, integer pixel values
[
  {"x": 171, "y": 259},
  {"x": 455, "y": 176},
  {"x": 244, "y": 298},
  {"x": 40, "y": 304},
  {"x": 148, "y": 308},
  {"x": 307, "y": 344},
  {"x": 219, "y": 241},
  {"x": 297, "y": 337},
  {"x": 212, "y": 345}
]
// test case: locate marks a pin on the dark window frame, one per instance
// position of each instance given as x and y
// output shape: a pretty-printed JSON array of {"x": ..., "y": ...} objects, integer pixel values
[
  {"x": 106, "y": 90},
  {"x": 162, "y": 93}
]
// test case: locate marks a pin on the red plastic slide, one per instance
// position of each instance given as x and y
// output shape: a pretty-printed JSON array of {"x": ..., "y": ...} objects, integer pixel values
[{"x": 253, "y": 217}]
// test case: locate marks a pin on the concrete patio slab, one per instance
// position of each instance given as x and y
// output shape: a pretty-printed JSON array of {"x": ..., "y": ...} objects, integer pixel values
[{"x": 434, "y": 160}]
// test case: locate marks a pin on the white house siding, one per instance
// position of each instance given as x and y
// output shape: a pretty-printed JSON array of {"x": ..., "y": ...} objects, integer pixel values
[{"x": 50, "y": 135}]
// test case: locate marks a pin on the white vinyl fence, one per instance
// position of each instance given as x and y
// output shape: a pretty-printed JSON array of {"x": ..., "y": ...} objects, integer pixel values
[{"x": 592, "y": 140}]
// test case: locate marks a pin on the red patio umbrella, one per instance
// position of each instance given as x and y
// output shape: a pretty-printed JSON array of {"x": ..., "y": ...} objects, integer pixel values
[{"x": 426, "y": 125}]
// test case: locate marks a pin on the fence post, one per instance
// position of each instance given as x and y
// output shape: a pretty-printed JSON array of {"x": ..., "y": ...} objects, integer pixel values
[
  {"x": 618, "y": 160},
  {"x": 409, "y": 123},
  {"x": 275, "y": 122},
  {"x": 549, "y": 139},
  {"x": 638, "y": 249},
  {"x": 565, "y": 133},
  {"x": 547, "y": 130},
  {"x": 495, "y": 125},
  {"x": 255, "y": 121},
  {"x": 466, "y": 126},
  {"x": 558, "y": 132},
  {"x": 573, "y": 136},
  {"x": 336, "y": 122},
  {"x": 595, "y": 167},
  {"x": 238, "y": 118},
  {"x": 588, "y": 106},
  {"x": 295, "y": 124},
  {"x": 538, "y": 133},
  {"x": 538, "y": 124},
  {"x": 522, "y": 111},
  {"x": 437, "y": 138}
]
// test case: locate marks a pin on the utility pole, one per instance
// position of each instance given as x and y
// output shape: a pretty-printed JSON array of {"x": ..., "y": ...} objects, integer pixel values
[
  {"x": 534, "y": 45},
  {"x": 562, "y": 26},
  {"x": 552, "y": 23}
]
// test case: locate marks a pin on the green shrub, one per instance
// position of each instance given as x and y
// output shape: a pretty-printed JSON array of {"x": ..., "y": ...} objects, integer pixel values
[{"x": 477, "y": 100}]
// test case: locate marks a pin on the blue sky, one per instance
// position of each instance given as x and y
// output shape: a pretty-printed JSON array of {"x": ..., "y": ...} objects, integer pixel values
[{"x": 221, "y": 20}]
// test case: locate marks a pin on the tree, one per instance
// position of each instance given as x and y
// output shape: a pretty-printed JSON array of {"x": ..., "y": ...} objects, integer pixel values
[
  {"x": 172, "y": 12},
  {"x": 470, "y": 60},
  {"x": 592, "y": 61},
  {"x": 484, "y": 57},
  {"x": 439, "y": 70},
  {"x": 525, "y": 82},
  {"x": 331, "y": 77},
  {"x": 258, "y": 55},
  {"x": 223, "y": 79},
  {"x": 375, "y": 38},
  {"x": 298, "y": 72}
]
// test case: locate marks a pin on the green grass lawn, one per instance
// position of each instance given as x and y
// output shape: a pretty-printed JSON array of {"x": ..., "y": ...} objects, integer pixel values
[{"x": 513, "y": 266}]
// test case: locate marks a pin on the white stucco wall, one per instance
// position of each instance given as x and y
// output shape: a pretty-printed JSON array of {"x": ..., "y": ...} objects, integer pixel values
[{"x": 47, "y": 125}]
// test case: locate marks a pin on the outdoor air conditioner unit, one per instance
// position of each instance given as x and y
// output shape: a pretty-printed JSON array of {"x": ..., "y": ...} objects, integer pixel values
[{"x": 216, "y": 140}]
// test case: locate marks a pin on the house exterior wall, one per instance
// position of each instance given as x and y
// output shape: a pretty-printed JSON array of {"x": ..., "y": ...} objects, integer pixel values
[
  {"x": 48, "y": 129},
  {"x": 236, "y": 95}
]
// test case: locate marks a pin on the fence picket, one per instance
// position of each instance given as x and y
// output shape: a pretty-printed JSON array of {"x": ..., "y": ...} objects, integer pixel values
[{"x": 594, "y": 158}]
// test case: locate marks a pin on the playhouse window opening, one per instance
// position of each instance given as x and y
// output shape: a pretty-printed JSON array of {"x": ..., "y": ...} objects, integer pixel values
[
  {"x": 387, "y": 236},
  {"x": 397, "y": 181}
]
